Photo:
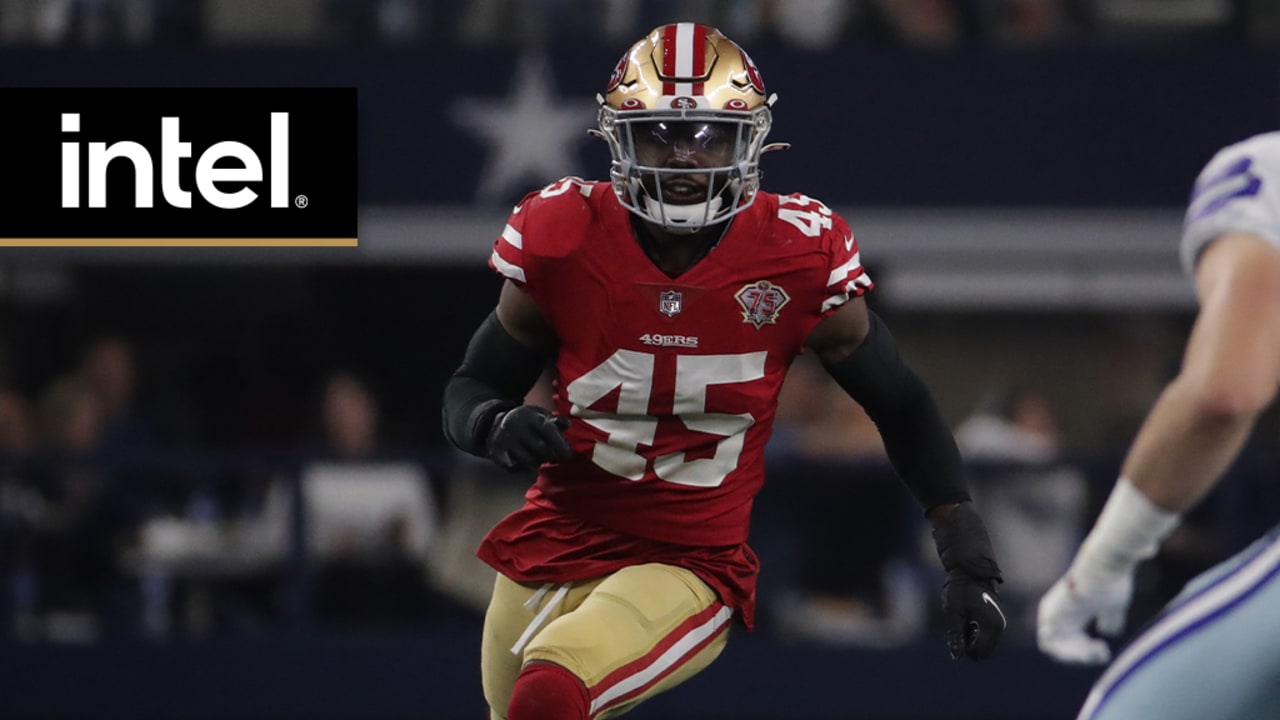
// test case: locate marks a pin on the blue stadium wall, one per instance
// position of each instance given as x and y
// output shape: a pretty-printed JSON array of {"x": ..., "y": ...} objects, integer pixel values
[
  {"x": 1104, "y": 127},
  {"x": 434, "y": 675}
]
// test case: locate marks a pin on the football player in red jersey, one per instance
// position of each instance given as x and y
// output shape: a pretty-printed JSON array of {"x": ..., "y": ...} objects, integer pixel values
[{"x": 671, "y": 301}]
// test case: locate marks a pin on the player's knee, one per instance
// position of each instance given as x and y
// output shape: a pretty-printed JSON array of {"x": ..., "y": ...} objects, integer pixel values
[{"x": 546, "y": 691}]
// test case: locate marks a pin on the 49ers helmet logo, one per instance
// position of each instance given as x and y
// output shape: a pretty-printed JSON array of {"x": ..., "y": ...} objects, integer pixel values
[
  {"x": 761, "y": 302},
  {"x": 619, "y": 71},
  {"x": 753, "y": 73}
]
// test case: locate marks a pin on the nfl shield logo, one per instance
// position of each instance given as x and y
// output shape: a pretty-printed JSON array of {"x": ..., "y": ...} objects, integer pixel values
[{"x": 669, "y": 303}]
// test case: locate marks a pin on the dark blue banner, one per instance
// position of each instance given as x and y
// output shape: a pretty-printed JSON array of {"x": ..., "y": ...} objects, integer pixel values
[{"x": 1081, "y": 127}]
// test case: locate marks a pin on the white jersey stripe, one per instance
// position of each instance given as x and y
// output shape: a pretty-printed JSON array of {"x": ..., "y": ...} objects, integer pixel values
[
  {"x": 513, "y": 236},
  {"x": 838, "y": 299},
  {"x": 835, "y": 301},
  {"x": 844, "y": 270},
  {"x": 665, "y": 661},
  {"x": 515, "y": 272},
  {"x": 1183, "y": 621}
]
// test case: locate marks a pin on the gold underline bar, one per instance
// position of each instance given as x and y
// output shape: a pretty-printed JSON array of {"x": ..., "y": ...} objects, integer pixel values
[{"x": 178, "y": 243}]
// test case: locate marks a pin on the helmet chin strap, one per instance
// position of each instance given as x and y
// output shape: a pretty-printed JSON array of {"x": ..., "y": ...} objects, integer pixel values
[{"x": 678, "y": 217}]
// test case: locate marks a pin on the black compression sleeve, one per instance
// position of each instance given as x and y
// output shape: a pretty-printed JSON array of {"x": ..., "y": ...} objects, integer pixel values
[
  {"x": 919, "y": 442},
  {"x": 495, "y": 374}
]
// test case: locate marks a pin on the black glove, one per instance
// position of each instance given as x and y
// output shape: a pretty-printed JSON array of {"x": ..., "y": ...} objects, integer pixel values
[
  {"x": 970, "y": 604},
  {"x": 524, "y": 437}
]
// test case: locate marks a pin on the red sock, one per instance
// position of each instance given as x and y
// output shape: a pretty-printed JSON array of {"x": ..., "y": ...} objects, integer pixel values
[{"x": 546, "y": 691}]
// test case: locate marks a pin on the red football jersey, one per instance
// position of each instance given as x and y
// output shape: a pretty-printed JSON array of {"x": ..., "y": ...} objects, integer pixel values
[{"x": 671, "y": 383}]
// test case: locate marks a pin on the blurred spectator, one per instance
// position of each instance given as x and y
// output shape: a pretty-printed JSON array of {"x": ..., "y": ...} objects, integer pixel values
[
  {"x": 801, "y": 24},
  {"x": 78, "y": 22},
  {"x": 350, "y": 416},
  {"x": 109, "y": 372},
  {"x": 834, "y": 527},
  {"x": 74, "y": 534},
  {"x": 17, "y": 431},
  {"x": 812, "y": 24},
  {"x": 813, "y": 421},
  {"x": 1026, "y": 22},
  {"x": 923, "y": 22},
  {"x": 945, "y": 23},
  {"x": 71, "y": 417},
  {"x": 389, "y": 22},
  {"x": 1010, "y": 424},
  {"x": 375, "y": 579},
  {"x": 1167, "y": 21},
  {"x": 1033, "y": 503},
  {"x": 534, "y": 22},
  {"x": 21, "y": 508},
  {"x": 490, "y": 22},
  {"x": 1262, "y": 18},
  {"x": 480, "y": 494},
  {"x": 253, "y": 22},
  {"x": 369, "y": 521}
]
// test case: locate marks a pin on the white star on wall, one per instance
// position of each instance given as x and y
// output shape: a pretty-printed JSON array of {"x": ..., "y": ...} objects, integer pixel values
[{"x": 533, "y": 137}]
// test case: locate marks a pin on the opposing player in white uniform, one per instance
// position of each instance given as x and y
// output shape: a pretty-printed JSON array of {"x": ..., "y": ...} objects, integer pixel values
[{"x": 1214, "y": 651}]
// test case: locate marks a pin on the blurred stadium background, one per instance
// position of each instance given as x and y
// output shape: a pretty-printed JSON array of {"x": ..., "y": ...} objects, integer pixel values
[{"x": 223, "y": 488}]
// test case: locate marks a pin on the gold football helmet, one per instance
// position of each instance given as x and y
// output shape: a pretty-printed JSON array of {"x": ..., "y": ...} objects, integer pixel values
[{"x": 685, "y": 115}]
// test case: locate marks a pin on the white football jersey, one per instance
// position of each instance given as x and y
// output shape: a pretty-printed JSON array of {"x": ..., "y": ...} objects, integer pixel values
[{"x": 1238, "y": 191}]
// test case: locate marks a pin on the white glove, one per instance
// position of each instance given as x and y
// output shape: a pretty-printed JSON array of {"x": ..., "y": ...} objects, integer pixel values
[
  {"x": 1099, "y": 583},
  {"x": 1069, "y": 607}
]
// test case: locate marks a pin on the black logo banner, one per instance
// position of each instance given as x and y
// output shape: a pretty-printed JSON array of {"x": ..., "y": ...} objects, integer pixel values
[{"x": 179, "y": 167}]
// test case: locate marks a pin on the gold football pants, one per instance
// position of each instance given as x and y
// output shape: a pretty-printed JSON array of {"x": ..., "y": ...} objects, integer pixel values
[{"x": 628, "y": 636}]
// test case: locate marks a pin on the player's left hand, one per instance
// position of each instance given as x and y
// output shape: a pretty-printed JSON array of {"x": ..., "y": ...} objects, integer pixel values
[{"x": 975, "y": 622}]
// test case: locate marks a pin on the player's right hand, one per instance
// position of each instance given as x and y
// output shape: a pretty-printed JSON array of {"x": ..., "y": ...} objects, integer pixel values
[
  {"x": 1074, "y": 603},
  {"x": 526, "y": 436}
]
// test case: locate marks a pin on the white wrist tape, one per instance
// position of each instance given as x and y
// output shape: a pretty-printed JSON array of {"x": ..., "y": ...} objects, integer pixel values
[{"x": 1129, "y": 530}]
